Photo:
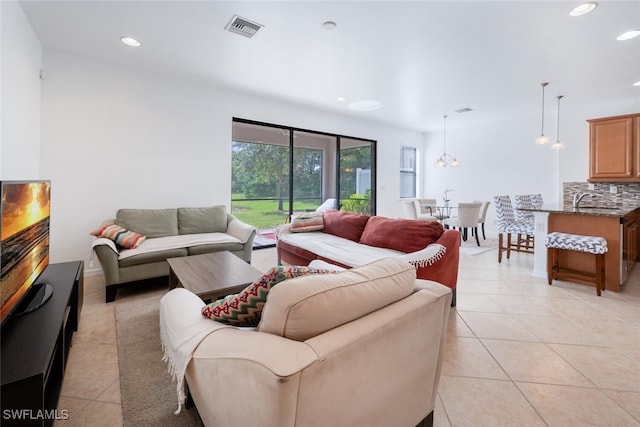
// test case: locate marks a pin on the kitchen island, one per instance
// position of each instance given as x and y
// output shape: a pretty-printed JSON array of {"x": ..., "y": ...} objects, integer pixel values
[{"x": 619, "y": 225}]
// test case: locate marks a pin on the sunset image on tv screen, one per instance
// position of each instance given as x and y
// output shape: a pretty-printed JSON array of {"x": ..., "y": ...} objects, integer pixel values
[{"x": 24, "y": 254}]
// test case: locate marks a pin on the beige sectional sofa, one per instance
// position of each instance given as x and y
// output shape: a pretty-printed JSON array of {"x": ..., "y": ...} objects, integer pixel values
[
  {"x": 362, "y": 347},
  {"x": 169, "y": 233}
]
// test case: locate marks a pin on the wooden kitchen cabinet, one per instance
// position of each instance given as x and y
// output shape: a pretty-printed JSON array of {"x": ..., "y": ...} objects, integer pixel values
[
  {"x": 614, "y": 149},
  {"x": 631, "y": 237}
]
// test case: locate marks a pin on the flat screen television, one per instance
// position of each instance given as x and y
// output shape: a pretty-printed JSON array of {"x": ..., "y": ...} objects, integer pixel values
[{"x": 24, "y": 247}]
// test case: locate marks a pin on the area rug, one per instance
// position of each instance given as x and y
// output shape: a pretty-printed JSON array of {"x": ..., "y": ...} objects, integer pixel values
[
  {"x": 470, "y": 247},
  {"x": 148, "y": 393}
]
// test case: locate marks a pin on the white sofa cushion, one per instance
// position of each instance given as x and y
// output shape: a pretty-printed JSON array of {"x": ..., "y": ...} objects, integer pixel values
[
  {"x": 328, "y": 246},
  {"x": 176, "y": 242},
  {"x": 304, "y": 307}
]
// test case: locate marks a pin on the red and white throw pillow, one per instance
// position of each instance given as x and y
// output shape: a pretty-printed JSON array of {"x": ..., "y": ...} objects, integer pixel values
[
  {"x": 308, "y": 221},
  {"x": 245, "y": 307},
  {"x": 125, "y": 238}
]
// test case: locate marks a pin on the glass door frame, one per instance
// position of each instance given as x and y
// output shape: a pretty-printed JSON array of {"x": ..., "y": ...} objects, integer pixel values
[{"x": 338, "y": 137}]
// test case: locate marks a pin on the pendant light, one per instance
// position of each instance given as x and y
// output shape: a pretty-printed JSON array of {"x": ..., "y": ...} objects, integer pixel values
[
  {"x": 442, "y": 161},
  {"x": 558, "y": 145},
  {"x": 542, "y": 139}
]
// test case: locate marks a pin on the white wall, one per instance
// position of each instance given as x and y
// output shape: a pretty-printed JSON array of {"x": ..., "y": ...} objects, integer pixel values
[
  {"x": 21, "y": 55},
  {"x": 120, "y": 138}
]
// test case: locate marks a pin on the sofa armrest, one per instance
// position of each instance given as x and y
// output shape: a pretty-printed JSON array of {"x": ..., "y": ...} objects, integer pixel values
[
  {"x": 280, "y": 356},
  {"x": 232, "y": 367},
  {"x": 445, "y": 271},
  {"x": 243, "y": 232},
  {"x": 427, "y": 256},
  {"x": 240, "y": 230},
  {"x": 108, "y": 262},
  {"x": 282, "y": 229}
]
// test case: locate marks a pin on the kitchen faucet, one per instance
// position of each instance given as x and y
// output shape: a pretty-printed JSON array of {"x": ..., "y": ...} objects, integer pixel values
[{"x": 577, "y": 198}]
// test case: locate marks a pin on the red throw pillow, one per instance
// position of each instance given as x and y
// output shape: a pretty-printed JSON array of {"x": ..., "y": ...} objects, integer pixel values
[
  {"x": 345, "y": 224},
  {"x": 406, "y": 235}
]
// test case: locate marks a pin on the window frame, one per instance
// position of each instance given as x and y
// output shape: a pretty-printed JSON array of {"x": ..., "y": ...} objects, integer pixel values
[
  {"x": 410, "y": 170},
  {"x": 291, "y": 132}
]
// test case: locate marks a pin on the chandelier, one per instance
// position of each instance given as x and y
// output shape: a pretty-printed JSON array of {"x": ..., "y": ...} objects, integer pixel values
[{"x": 442, "y": 161}]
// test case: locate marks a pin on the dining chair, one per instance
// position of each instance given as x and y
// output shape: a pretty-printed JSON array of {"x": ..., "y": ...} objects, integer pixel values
[
  {"x": 507, "y": 224},
  {"x": 420, "y": 209},
  {"x": 425, "y": 206},
  {"x": 483, "y": 216},
  {"x": 468, "y": 215}
]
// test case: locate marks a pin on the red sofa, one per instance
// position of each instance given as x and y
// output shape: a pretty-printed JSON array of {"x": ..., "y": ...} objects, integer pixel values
[{"x": 350, "y": 240}]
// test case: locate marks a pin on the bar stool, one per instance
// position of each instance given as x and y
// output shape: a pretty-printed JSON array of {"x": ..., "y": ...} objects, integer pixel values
[
  {"x": 574, "y": 242},
  {"x": 527, "y": 201},
  {"x": 507, "y": 224}
]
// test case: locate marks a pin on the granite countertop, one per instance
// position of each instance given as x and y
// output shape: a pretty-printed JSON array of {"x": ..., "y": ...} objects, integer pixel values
[{"x": 619, "y": 211}]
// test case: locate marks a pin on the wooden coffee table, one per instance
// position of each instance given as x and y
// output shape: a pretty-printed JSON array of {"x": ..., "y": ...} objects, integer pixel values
[{"x": 211, "y": 276}]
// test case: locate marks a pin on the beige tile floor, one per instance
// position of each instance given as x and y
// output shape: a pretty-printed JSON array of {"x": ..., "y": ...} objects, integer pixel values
[{"x": 519, "y": 352}]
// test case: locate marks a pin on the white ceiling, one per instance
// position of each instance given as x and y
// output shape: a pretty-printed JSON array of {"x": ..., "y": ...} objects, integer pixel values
[{"x": 421, "y": 59}]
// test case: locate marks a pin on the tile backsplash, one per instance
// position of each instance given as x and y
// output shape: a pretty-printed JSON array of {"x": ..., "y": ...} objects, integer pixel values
[{"x": 628, "y": 195}]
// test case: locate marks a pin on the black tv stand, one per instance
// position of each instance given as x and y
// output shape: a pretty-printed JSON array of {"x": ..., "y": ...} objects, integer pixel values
[{"x": 35, "y": 348}]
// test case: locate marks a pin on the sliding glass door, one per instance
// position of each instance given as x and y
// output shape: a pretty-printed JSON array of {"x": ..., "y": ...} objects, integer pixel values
[
  {"x": 260, "y": 175},
  {"x": 356, "y": 175},
  {"x": 277, "y": 171},
  {"x": 313, "y": 170}
]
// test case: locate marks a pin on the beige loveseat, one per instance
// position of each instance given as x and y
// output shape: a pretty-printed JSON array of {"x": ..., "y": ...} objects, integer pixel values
[
  {"x": 169, "y": 233},
  {"x": 362, "y": 347}
]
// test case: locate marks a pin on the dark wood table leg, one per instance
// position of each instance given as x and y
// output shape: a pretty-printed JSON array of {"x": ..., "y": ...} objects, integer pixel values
[{"x": 173, "y": 280}]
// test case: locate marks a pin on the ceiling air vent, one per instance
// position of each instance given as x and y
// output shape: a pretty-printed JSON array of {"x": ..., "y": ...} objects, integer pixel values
[{"x": 242, "y": 26}]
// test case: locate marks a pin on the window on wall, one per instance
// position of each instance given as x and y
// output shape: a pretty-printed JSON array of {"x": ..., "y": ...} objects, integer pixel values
[
  {"x": 408, "y": 172},
  {"x": 280, "y": 170}
]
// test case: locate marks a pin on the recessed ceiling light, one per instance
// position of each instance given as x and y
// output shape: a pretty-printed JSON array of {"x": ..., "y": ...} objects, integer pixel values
[
  {"x": 628, "y": 35},
  {"x": 637, "y": 83},
  {"x": 583, "y": 8},
  {"x": 130, "y": 41},
  {"x": 463, "y": 110},
  {"x": 365, "y": 105},
  {"x": 329, "y": 25},
  {"x": 341, "y": 98}
]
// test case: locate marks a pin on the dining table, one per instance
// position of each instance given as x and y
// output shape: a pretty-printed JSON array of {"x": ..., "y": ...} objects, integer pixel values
[{"x": 443, "y": 212}]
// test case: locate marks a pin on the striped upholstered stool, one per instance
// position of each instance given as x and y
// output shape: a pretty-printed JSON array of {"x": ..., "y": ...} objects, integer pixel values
[{"x": 574, "y": 242}]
